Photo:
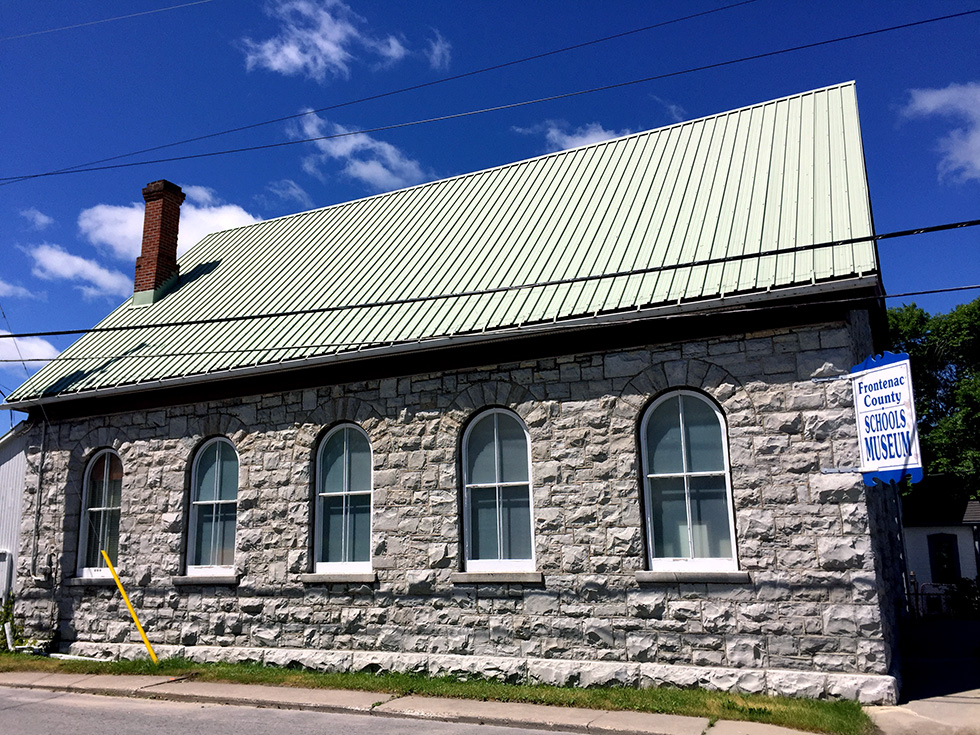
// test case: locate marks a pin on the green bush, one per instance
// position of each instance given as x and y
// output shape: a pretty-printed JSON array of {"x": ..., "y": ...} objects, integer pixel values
[{"x": 7, "y": 616}]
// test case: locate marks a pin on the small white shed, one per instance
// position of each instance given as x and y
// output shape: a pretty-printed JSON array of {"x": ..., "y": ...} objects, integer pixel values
[{"x": 12, "y": 470}]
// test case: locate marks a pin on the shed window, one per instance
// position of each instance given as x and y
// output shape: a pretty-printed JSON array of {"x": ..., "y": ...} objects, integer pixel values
[
  {"x": 497, "y": 494},
  {"x": 944, "y": 558},
  {"x": 343, "y": 501},
  {"x": 101, "y": 500},
  {"x": 214, "y": 504},
  {"x": 687, "y": 489}
]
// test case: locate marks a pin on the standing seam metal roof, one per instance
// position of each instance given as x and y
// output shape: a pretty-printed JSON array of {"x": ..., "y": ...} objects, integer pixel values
[{"x": 704, "y": 209}]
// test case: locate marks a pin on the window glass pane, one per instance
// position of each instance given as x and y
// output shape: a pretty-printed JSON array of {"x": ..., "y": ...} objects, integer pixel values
[
  {"x": 360, "y": 462},
  {"x": 664, "y": 439},
  {"x": 709, "y": 518},
  {"x": 359, "y": 527},
  {"x": 515, "y": 513},
  {"x": 114, "y": 488},
  {"x": 224, "y": 551},
  {"x": 92, "y": 544},
  {"x": 332, "y": 464},
  {"x": 513, "y": 449},
  {"x": 480, "y": 468},
  {"x": 483, "y": 523},
  {"x": 207, "y": 473},
  {"x": 229, "y": 472},
  {"x": 703, "y": 439},
  {"x": 96, "y": 482},
  {"x": 332, "y": 543},
  {"x": 204, "y": 527},
  {"x": 668, "y": 509},
  {"x": 110, "y": 540}
]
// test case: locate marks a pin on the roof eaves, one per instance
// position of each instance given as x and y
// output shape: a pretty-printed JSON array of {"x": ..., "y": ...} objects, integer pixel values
[{"x": 676, "y": 309}]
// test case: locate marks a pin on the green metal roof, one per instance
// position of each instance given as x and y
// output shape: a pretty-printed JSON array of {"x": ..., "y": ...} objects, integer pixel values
[{"x": 716, "y": 208}]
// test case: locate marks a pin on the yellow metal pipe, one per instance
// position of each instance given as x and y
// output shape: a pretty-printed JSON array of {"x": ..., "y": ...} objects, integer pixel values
[{"x": 132, "y": 612}]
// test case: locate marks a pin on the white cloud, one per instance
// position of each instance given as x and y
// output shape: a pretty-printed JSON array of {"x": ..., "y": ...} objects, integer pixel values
[
  {"x": 961, "y": 146},
  {"x": 675, "y": 112},
  {"x": 390, "y": 49},
  {"x": 197, "y": 222},
  {"x": 439, "y": 51},
  {"x": 39, "y": 220},
  {"x": 203, "y": 195},
  {"x": 119, "y": 228},
  {"x": 32, "y": 350},
  {"x": 317, "y": 38},
  {"x": 17, "y": 292},
  {"x": 289, "y": 191},
  {"x": 560, "y": 136},
  {"x": 379, "y": 165},
  {"x": 53, "y": 263}
]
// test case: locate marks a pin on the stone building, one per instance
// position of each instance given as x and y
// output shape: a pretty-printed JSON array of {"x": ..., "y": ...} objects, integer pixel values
[{"x": 566, "y": 420}]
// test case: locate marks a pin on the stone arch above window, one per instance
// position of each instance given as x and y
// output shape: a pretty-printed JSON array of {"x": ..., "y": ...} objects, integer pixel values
[
  {"x": 687, "y": 495},
  {"x": 213, "y": 508},
  {"x": 342, "y": 505},
  {"x": 496, "y": 488},
  {"x": 99, "y": 518}
]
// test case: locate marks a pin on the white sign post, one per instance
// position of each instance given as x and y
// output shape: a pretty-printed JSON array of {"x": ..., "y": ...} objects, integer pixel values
[{"x": 885, "y": 408}]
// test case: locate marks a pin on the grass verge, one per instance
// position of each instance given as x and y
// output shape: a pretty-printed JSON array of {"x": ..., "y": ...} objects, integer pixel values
[{"x": 839, "y": 717}]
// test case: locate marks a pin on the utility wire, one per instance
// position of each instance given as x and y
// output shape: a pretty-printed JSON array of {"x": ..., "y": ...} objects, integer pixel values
[
  {"x": 16, "y": 344},
  {"x": 453, "y": 116},
  {"x": 352, "y": 346},
  {"x": 503, "y": 289},
  {"x": 104, "y": 20},
  {"x": 411, "y": 88}
]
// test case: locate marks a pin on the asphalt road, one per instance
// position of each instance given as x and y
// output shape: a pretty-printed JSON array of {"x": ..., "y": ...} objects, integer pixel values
[{"x": 35, "y": 712}]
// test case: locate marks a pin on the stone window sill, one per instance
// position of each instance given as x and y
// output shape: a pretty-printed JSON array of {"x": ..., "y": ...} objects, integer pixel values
[
  {"x": 644, "y": 577},
  {"x": 90, "y": 582},
  {"x": 205, "y": 580},
  {"x": 497, "y": 578},
  {"x": 340, "y": 578}
]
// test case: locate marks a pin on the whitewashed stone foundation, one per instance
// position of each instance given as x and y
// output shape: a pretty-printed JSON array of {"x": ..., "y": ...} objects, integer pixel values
[{"x": 815, "y": 616}]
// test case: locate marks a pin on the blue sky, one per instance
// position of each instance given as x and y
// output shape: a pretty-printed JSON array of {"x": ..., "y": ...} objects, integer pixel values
[{"x": 102, "y": 89}]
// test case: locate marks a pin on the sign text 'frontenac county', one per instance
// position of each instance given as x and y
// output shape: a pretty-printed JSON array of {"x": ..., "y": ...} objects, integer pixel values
[{"x": 885, "y": 408}]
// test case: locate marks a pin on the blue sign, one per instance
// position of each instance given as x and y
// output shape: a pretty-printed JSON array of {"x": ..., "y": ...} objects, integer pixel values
[{"x": 885, "y": 408}]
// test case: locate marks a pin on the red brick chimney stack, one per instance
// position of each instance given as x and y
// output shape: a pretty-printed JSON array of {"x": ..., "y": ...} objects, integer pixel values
[{"x": 158, "y": 262}]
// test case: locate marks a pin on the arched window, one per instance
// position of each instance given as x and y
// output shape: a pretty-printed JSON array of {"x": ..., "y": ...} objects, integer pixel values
[
  {"x": 343, "y": 501},
  {"x": 101, "y": 499},
  {"x": 214, "y": 504},
  {"x": 687, "y": 489},
  {"x": 497, "y": 494}
]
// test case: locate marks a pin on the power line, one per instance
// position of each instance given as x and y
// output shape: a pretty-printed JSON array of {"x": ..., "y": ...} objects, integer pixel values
[
  {"x": 351, "y": 346},
  {"x": 505, "y": 289},
  {"x": 411, "y": 88},
  {"x": 104, "y": 20},
  {"x": 16, "y": 345},
  {"x": 441, "y": 118}
]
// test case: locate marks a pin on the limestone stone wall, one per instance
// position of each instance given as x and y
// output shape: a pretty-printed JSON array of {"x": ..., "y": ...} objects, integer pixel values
[{"x": 807, "y": 621}]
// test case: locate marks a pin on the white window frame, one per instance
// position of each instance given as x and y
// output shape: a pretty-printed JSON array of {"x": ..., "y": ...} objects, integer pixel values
[
  {"x": 84, "y": 522},
  {"x": 496, "y": 565},
  {"x": 334, "y": 567},
  {"x": 711, "y": 564},
  {"x": 205, "y": 570}
]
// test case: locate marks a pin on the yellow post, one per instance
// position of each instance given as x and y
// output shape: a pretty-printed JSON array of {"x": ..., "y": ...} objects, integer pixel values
[{"x": 130, "y": 606}]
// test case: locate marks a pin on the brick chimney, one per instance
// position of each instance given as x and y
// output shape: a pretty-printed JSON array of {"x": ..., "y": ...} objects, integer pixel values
[{"x": 157, "y": 264}]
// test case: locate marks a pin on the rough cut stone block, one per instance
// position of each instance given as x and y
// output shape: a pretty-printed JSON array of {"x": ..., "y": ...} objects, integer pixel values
[
  {"x": 486, "y": 667},
  {"x": 865, "y": 689},
  {"x": 379, "y": 661},
  {"x": 795, "y": 683}
]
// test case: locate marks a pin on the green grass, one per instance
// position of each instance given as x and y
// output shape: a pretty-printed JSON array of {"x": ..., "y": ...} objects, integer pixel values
[{"x": 839, "y": 717}]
